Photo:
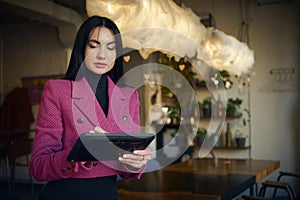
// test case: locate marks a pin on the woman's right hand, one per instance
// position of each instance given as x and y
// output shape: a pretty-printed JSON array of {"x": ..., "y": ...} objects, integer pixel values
[{"x": 97, "y": 129}]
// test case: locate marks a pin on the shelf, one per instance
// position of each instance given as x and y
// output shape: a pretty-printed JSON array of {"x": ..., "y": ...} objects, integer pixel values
[
  {"x": 227, "y": 118},
  {"x": 232, "y": 148},
  {"x": 167, "y": 126}
]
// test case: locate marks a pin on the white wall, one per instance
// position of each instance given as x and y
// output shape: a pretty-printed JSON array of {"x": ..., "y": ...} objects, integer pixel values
[{"x": 276, "y": 42}]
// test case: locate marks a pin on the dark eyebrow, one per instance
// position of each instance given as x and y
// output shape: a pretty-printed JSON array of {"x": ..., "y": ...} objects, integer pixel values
[
  {"x": 113, "y": 42},
  {"x": 97, "y": 42}
]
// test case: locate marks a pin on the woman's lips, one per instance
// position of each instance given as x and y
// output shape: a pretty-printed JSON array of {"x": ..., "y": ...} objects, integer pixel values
[{"x": 100, "y": 65}]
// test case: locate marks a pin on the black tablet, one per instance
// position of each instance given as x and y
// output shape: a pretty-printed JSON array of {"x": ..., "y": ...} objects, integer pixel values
[{"x": 107, "y": 146}]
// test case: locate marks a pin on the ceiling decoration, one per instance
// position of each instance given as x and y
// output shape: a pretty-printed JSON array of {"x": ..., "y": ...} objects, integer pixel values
[{"x": 151, "y": 25}]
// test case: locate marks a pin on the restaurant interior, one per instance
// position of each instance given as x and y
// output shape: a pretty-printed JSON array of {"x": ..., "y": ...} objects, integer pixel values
[{"x": 218, "y": 83}]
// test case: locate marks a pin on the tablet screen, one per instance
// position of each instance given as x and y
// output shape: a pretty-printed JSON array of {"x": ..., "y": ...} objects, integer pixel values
[{"x": 107, "y": 146}]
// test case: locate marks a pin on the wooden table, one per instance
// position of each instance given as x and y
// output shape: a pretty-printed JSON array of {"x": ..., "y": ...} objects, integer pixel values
[
  {"x": 198, "y": 179},
  {"x": 208, "y": 166}
]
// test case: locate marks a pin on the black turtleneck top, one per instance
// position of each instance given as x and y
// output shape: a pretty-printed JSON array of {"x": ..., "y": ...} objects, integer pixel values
[{"x": 102, "y": 93}]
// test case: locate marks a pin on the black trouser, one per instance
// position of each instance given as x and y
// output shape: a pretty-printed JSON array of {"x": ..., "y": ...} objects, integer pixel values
[{"x": 81, "y": 189}]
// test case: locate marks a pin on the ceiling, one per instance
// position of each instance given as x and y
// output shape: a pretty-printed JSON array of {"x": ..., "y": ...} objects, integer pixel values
[
  {"x": 11, "y": 15},
  {"x": 78, "y": 5},
  {"x": 10, "y": 18}
]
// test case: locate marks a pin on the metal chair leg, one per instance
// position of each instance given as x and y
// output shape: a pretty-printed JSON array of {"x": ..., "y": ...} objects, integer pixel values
[
  {"x": 8, "y": 173},
  {"x": 262, "y": 191},
  {"x": 12, "y": 175},
  {"x": 30, "y": 178}
]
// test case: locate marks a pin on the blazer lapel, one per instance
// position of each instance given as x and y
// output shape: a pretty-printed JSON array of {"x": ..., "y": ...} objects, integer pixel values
[
  {"x": 87, "y": 112},
  {"x": 84, "y": 113},
  {"x": 119, "y": 105}
]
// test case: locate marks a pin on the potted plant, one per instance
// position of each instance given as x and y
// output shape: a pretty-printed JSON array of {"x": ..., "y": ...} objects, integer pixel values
[
  {"x": 225, "y": 75},
  {"x": 240, "y": 138},
  {"x": 206, "y": 107},
  {"x": 200, "y": 136},
  {"x": 233, "y": 106},
  {"x": 181, "y": 138},
  {"x": 173, "y": 114}
]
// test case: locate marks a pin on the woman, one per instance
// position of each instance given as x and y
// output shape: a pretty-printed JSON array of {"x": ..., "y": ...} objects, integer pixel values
[{"x": 88, "y": 100}]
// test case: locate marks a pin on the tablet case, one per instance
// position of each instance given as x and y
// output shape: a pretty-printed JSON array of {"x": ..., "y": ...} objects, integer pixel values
[{"x": 107, "y": 146}]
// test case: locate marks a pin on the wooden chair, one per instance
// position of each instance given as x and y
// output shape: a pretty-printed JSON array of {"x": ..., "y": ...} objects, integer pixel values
[
  {"x": 16, "y": 146},
  {"x": 19, "y": 148},
  {"x": 16, "y": 117}
]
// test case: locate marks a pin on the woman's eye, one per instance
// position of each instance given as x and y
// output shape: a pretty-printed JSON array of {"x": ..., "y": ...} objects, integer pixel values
[
  {"x": 111, "y": 47},
  {"x": 93, "y": 45}
]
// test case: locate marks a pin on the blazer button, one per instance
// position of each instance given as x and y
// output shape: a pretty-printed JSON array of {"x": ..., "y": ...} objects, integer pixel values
[
  {"x": 79, "y": 120},
  {"x": 63, "y": 169},
  {"x": 125, "y": 118}
]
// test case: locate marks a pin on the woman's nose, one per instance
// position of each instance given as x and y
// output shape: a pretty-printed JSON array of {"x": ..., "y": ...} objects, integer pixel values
[{"x": 101, "y": 53}]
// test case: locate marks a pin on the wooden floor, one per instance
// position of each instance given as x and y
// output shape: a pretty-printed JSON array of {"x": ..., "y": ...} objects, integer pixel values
[
  {"x": 23, "y": 193},
  {"x": 129, "y": 195}
]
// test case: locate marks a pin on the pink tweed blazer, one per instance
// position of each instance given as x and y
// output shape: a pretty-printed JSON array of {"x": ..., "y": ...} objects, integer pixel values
[{"x": 70, "y": 108}]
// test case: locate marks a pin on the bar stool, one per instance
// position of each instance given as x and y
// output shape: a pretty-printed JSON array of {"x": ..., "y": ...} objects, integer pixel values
[{"x": 281, "y": 185}]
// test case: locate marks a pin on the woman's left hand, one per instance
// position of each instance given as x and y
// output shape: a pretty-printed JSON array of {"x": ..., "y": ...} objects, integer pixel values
[{"x": 137, "y": 159}]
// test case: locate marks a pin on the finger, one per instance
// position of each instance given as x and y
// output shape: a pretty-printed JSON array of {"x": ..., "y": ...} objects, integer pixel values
[
  {"x": 135, "y": 157},
  {"x": 137, "y": 166},
  {"x": 98, "y": 129},
  {"x": 139, "y": 155},
  {"x": 143, "y": 152},
  {"x": 91, "y": 131},
  {"x": 133, "y": 163}
]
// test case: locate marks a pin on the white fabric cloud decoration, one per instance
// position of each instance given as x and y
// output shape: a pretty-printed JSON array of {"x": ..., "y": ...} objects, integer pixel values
[{"x": 152, "y": 25}]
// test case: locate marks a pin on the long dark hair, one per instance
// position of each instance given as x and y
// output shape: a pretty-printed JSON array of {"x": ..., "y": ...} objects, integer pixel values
[{"x": 77, "y": 57}]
